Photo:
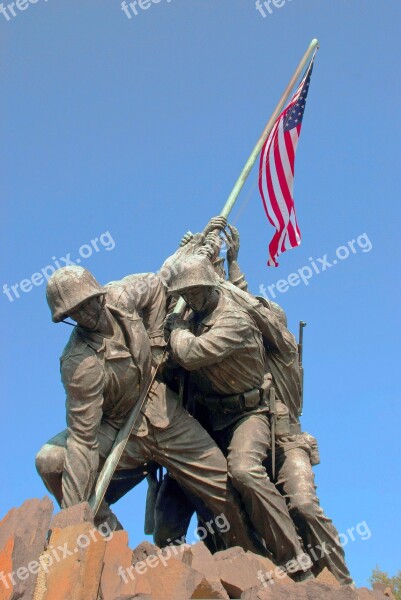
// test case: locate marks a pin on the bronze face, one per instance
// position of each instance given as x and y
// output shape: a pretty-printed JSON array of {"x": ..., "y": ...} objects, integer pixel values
[
  {"x": 87, "y": 314},
  {"x": 197, "y": 297}
]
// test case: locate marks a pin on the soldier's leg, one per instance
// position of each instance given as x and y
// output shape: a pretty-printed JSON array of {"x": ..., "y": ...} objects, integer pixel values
[
  {"x": 295, "y": 480},
  {"x": 50, "y": 464},
  {"x": 174, "y": 509},
  {"x": 196, "y": 463},
  {"x": 173, "y": 513},
  {"x": 265, "y": 506},
  {"x": 133, "y": 467},
  {"x": 125, "y": 480}
]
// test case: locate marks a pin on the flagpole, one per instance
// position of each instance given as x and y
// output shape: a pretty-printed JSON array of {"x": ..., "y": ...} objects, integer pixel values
[
  {"x": 239, "y": 184},
  {"x": 123, "y": 435}
]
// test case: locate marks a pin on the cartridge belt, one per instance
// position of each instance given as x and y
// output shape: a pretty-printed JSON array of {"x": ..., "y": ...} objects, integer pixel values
[{"x": 236, "y": 403}]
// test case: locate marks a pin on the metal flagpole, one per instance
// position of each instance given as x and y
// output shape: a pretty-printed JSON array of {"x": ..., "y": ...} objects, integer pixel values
[
  {"x": 239, "y": 184},
  {"x": 126, "y": 430},
  {"x": 265, "y": 134}
]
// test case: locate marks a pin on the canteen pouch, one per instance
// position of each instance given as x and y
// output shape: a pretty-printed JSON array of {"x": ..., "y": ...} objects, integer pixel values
[
  {"x": 314, "y": 448},
  {"x": 282, "y": 419},
  {"x": 251, "y": 399}
]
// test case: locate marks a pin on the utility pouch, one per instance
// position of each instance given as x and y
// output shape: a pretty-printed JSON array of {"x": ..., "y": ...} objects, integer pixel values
[
  {"x": 314, "y": 448},
  {"x": 282, "y": 419},
  {"x": 251, "y": 399}
]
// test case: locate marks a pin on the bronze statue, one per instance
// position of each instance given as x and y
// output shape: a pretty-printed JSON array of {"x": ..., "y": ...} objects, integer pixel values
[
  {"x": 221, "y": 347},
  {"x": 104, "y": 367},
  {"x": 230, "y": 350},
  {"x": 296, "y": 451}
]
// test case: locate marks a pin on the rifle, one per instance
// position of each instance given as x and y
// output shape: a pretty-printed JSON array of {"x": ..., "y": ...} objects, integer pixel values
[{"x": 302, "y": 324}]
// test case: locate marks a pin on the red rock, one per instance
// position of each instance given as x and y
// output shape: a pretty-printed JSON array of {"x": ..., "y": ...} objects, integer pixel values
[
  {"x": 230, "y": 553},
  {"x": 274, "y": 592},
  {"x": 384, "y": 589},
  {"x": 364, "y": 594},
  {"x": 328, "y": 578},
  {"x": 79, "y": 513},
  {"x": 200, "y": 558},
  {"x": 209, "y": 591},
  {"x": 308, "y": 590},
  {"x": 28, "y": 527},
  {"x": 118, "y": 580},
  {"x": 271, "y": 571},
  {"x": 75, "y": 555},
  {"x": 143, "y": 550},
  {"x": 6, "y": 567},
  {"x": 136, "y": 597},
  {"x": 320, "y": 591},
  {"x": 240, "y": 571},
  {"x": 169, "y": 578}
]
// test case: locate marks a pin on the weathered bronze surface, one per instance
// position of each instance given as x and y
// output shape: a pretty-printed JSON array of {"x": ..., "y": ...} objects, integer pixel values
[{"x": 207, "y": 419}]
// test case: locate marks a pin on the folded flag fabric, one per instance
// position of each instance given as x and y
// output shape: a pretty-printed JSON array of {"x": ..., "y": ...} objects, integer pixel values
[{"x": 276, "y": 172}]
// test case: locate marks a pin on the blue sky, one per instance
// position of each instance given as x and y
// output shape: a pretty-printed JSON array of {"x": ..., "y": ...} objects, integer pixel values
[{"x": 133, "y": 130}]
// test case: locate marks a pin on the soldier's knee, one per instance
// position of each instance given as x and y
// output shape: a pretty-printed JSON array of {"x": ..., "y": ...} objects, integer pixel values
[
  {"x": 40, "y": 462},
  {"x": 243, "y": 473},
  {"x": 49, "y": 460},
  {"x": 304, "y": 508}
]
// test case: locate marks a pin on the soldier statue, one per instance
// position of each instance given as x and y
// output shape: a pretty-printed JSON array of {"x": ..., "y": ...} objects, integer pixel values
[
  {"x": 105, "y": 366},
  {"x": 222, "y": 349},
  {"x": 296, "y": 451}
]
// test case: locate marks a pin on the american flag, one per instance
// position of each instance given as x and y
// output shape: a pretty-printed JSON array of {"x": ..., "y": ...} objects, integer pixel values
[{"x": 276, "y": 172}]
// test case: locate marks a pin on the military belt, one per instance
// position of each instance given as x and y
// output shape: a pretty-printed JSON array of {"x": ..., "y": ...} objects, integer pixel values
[{"x": 236, "y": 403}]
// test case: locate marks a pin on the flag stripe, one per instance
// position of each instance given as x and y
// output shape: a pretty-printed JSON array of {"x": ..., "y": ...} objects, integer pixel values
[{"x": 276, "y": 172}]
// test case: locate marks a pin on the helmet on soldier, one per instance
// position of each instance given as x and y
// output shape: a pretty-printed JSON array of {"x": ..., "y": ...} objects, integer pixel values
[
  {"x": 192, "y": 271},
  {"x": 69, "y": 287},
  {"x": 275, "y": 308},
  {"x": 279, "y": 312}
]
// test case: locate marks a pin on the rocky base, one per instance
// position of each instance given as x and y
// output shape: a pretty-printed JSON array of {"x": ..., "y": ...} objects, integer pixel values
[{"x": 67, "y": 558}]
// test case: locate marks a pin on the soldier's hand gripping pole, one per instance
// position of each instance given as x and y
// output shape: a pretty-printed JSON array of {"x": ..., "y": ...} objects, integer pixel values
[
  {"x": 302, "y": 324},
  {"x": 239, "y": 184}
]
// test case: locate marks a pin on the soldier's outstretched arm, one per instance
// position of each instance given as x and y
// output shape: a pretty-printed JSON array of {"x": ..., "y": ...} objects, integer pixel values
[{"x": 235, "y": 275}]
